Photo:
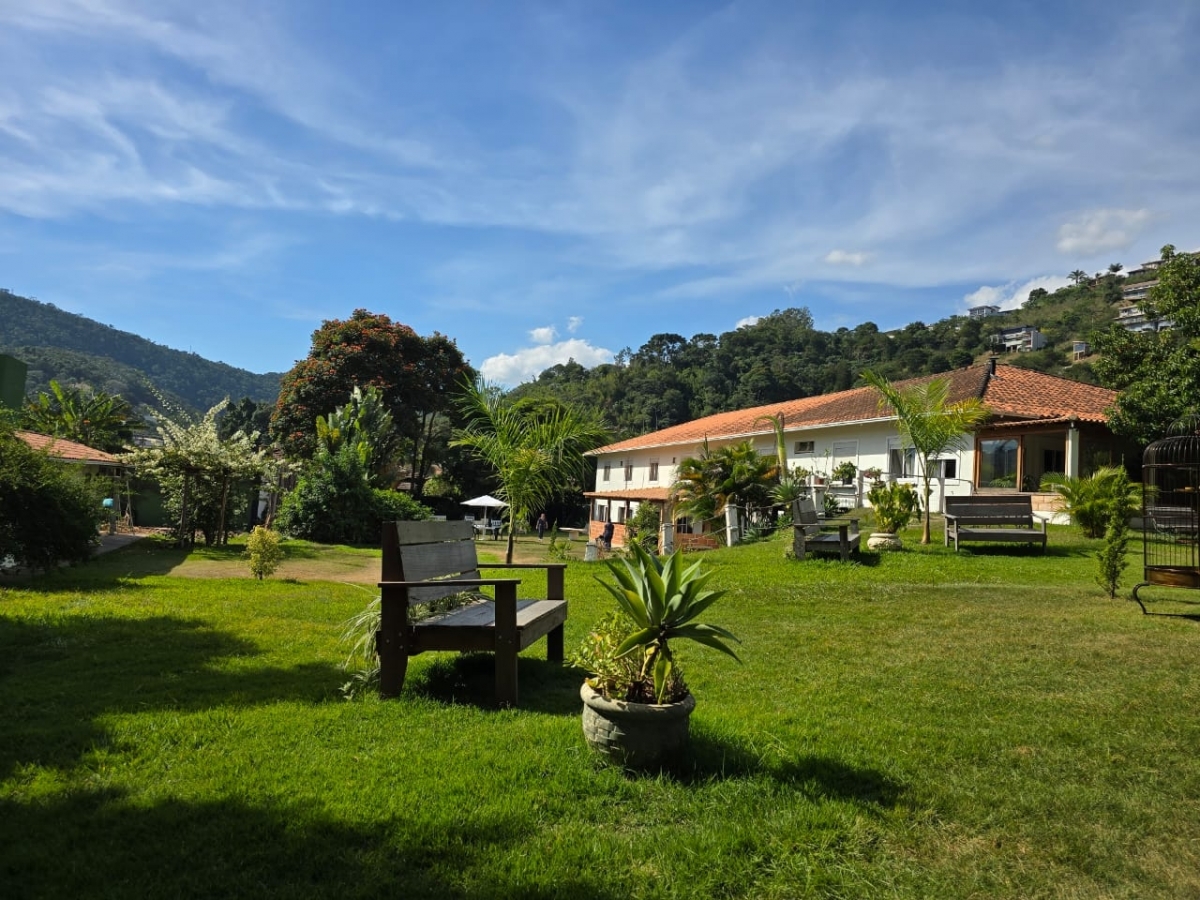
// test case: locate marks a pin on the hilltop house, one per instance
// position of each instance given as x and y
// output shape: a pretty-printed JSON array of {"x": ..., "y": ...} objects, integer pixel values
[{"x": 1040, "y": 423}]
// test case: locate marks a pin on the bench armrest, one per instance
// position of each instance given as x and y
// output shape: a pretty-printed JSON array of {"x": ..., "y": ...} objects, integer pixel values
[
  {"x": 950, "y": 517},
  {"x": 522, "y": 565},
  {"x": 450, "y": 582}
]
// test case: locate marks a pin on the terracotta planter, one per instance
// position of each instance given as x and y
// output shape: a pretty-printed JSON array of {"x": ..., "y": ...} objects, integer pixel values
[
  {"x": 883, "y": 540},
  {"x": 636, "y": 735}
]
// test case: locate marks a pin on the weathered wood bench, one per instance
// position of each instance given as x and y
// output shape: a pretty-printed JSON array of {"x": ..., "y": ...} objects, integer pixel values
[
  {"x": 809, "y": 534},
  {"x": 426, "y": 561},
  {"x": 1005, "y": 518}
]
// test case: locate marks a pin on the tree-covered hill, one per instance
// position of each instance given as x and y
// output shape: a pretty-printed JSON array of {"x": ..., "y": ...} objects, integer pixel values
[
  {"x": 672, "y": 378},
  {"x": 72, "y": 349}
]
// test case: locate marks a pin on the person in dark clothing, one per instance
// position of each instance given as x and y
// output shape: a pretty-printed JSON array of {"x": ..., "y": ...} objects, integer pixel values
[
  {"x": 542, "y": 525},
  {"x": 607, "y": 536}
]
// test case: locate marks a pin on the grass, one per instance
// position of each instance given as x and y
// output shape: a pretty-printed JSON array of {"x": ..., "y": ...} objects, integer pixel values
[{"x": 922, "y": 724}]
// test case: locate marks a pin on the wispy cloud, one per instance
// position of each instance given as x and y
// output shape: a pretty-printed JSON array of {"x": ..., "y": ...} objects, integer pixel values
[
  {"x": 1013, "y": 294},
  {"x": 1102, "y": 231},
  {"x": 846, "y": 257}
]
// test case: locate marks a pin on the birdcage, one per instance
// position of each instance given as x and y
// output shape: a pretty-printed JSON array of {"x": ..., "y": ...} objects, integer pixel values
[{"x": 1171, "y": 513}]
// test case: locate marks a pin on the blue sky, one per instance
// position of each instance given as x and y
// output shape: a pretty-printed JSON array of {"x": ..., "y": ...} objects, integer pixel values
[{"x": 541, "y": 181}]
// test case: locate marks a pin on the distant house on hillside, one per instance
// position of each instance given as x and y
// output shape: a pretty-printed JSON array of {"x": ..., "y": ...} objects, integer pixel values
[
  {"x": 982, "y": 312},
  {"x": 1133, "y": 318},
  {"x": 1018, "y": 339},
  {"x": 1040, "y": 423}
]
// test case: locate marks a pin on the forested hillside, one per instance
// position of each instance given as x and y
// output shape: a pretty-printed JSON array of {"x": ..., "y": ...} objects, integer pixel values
[
  {"x": 73, "y": 349},
  {"x": 672, "y": 379}
]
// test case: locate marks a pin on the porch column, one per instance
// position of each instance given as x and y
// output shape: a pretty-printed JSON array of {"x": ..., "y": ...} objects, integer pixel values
[
  {"x": 732, "y": 533},
  {"x": 1072, "y": 460},
  {"x": 666, "y": 540}
]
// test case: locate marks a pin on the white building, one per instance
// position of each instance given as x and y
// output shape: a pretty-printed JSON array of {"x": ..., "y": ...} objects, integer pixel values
[{"x": 1040, "y": 423}]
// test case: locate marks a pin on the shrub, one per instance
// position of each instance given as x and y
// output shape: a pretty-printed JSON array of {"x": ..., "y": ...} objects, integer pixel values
[
  {"x": 1111, "y": 557},
  {"x": 333, "y": 503},
  {"x": 264, "y": 550},
  {"x": 49, "y": 511},
  {"x": 1090, "y": 501},
  {"x": 643, "y": 526},
  {"x": 895, "y": 505}
]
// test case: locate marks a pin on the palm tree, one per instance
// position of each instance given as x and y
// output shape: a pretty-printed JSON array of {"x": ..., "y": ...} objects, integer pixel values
[
  {"x": 928, "y": 422},
  {"x": 99, "y": 420},
  {"x": 1115, "y": 268},
  {"x": 535, "y": 452},
  {"x": 735, "y": 473},
  {"x": 1078, "y": 276}
]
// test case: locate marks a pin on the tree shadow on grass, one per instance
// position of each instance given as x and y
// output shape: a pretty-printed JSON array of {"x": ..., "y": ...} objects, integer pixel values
[
  {"x": 101, "y": 845},
  {"x": 470, "y": 679},
  {"x": 58, "y": 676},
  {"x": 716, "y": 758}
]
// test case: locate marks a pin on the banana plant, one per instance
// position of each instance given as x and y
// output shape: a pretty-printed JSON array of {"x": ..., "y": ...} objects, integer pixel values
[{"x": 664, "y": 599}]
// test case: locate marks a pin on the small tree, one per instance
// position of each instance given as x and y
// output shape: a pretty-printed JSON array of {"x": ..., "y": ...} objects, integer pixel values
[
  {"x": 928, "y": 422},
  {"x": 1111, "y": 557},
  {"x": 265, "y": 552}
]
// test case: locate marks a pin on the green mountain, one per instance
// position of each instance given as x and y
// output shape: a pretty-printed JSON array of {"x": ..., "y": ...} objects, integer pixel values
[{"x": 72, "y": 349}]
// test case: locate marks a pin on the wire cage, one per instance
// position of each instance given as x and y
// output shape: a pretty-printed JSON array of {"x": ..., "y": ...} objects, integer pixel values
[{"x": 1171, "y": 513}]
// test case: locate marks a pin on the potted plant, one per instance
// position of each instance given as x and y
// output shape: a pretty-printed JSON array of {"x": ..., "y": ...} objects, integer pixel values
[
  {"x": 845, "y": 471},
  {"x": 895, "y": 505},
  {"x": 636, "y": 705},
  {"x": 874, "y": 473}
]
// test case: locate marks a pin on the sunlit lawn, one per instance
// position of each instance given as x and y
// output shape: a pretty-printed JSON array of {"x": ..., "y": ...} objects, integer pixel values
[{"x": 922, "y": 724}]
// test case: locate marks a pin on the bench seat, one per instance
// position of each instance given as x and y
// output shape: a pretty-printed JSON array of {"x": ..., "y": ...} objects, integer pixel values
[{"x": 809, "y": 534}]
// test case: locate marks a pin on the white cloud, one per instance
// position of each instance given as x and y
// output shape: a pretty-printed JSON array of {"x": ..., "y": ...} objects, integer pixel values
[
  {"x": 1102, "y": 230},
  {"x": 527, "y": 364},
  {"x": 574, "y": 323},
  {"x": 1013, "y": 294},
  {"x": 544, "y": 335},
  {"x": 749, "y": 320},
  {"x": 846, "y": 257}
]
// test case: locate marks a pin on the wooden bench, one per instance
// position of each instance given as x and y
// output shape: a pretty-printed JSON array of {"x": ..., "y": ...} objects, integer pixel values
[
  {"x": 1005, "y": 518},
  {"x": 809, "y": 534},
  {"x": 426, "y": 561}
]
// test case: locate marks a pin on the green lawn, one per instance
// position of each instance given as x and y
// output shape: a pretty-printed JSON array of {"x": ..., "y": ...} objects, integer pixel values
[{"x": 923, "y": 724}]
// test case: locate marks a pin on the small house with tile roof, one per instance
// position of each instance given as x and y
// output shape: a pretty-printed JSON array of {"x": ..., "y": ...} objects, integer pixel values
[
  {"x": 93, "y": 461},
  {"x": 1039, "y": 423}
]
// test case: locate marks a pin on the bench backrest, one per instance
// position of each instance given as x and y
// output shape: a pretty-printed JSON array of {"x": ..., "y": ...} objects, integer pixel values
[
  {"x": 804, "y": 511},
  {"x": 423, "y": 551},
  {"x": 1001, "y": 509}
]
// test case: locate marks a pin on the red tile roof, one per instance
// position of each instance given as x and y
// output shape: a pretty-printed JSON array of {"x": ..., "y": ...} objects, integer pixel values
[
  {"x": 1013, "y": 392},
  {"x": 60, "y": 448}
]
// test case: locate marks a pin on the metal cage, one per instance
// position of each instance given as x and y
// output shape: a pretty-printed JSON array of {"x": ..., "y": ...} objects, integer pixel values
[{"x": 1171, "y": 513}]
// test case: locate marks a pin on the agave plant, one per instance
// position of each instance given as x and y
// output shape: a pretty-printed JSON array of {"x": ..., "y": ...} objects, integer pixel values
[{"x": 663, "y": 599}]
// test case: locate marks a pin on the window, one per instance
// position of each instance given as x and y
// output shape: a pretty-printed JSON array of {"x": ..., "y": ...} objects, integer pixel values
[
  {"x": 621, "y": 513},
  {"x": 601, "y": 514},
  {"x": 629, "y": 471},
  {"x": 902, "y": 461},
  {"x": 998, "y": 463},
  {"x": 654, "y": 470},
  {"x": 949, "y": 468},
  {"x": 607, "y": 471},
  {"x": 805, "y": 447}
]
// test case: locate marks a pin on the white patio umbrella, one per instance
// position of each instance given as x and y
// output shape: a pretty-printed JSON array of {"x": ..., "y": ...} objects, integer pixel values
[{"x": 487, "y": 501}]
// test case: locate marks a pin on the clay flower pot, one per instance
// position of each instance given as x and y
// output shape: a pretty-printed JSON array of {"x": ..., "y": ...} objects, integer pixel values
[{"x": 636, "y": 735}]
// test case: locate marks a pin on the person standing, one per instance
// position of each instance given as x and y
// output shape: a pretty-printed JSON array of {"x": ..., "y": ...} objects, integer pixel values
[{"x": 542, "y": 525}]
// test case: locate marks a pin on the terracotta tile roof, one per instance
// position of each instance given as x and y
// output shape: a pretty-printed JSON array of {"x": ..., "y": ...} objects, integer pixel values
[
  {"x": 1012, "y": 392},
  {"x": 659, "y": 493},
  {"x": 60, "y": 448}
]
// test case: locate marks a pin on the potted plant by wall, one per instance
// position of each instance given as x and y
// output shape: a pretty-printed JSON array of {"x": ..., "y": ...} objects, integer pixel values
[
  {"x": 895, "y": 505},
  {"x": 845, "y": 471},
  {"x": 874, "y": 473},
  {"x": 636, "y": 705}
]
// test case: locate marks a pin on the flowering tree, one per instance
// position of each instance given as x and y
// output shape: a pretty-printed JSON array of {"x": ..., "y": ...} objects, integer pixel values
[{"x": 198, "y": 470}]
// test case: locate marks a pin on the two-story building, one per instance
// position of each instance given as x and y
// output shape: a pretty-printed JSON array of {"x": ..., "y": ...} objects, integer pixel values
[
  {"x": 1039, "y": 423},
  {"x": 1018, "y": 339}
]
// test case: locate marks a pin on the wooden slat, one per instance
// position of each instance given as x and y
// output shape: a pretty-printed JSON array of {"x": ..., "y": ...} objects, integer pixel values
[
  {"x": 430, "y": 532},
  {"x": 420, "y": 562}
]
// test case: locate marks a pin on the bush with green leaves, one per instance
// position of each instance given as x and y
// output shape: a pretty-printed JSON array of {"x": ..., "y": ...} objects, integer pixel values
[
  {"x": 895, "y": 505},
  {"x": 1090, "y": 501},
  {"x": 643, "y": 526},
  {"x": 50, "y": 512},
  {"x": 264, "y": 549},
  {"x": 333, "y": 503}
]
